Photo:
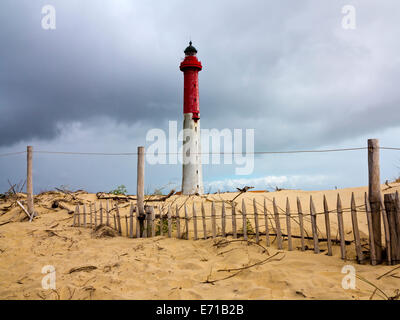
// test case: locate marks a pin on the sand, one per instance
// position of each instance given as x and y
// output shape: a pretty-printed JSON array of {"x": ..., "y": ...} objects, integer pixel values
[{"x": 88, "y": 267}]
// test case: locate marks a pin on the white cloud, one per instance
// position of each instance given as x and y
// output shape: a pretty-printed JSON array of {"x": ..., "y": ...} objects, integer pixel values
[{"x": 267, "y": 182}]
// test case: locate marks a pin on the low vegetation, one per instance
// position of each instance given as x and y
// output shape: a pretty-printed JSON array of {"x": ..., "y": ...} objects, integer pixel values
[{"x": 120, "y": 190}]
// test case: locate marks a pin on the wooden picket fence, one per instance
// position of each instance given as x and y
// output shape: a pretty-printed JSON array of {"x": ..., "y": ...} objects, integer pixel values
[{"x": 169, "y": 222}]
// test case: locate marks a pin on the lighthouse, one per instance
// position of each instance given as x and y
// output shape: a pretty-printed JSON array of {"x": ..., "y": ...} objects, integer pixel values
[{"x": 192, "y": 179}]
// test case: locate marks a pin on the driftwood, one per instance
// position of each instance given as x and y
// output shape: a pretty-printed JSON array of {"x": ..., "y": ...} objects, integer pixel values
[
  {"x": 58, "y": 204},
  {"x": 122, "y": 197},
  {"x": 107, "y": 196},
  {"x": 241, "y": 190},
  {"x": 80, "y": 269},
  {"x": 23, "y": 208},
  {"x": 67, "y": 192},
  {"x": 239, "y": 270}
]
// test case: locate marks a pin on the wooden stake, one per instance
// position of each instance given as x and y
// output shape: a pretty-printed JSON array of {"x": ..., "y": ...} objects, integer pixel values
[
  {"x": 131, "y": 221},
  {"x": 278, "y": 226},
  {"x": 195, "y": 222},
  {"x": 161, "y": 221},
  {"x": 213, "y": 222},
  {"x": 118, "y": 219},
  {"x": 396, "y": 217},
  {"x": 234, "y": 229},
  {"x": 101, "y": 213},
  {"x": 388, "y": 242},
  {"x": 301, "y": 222},
  {"x": 244, "y": 220},
  {"x": 138, "y": 224},
  {"x": 203, "y": 214},
  {"x": 256, "y": 221},
  {"x": 76, "y": 213},
  {"x": 356, "y": 232},
  {"x": 370, "y": 231},
  {"x": 153, "y": 222},
  {"x": 223, "y": 216},
  {"x": 186, "y": 223},
  {"x": 79, "y": 215},
  {"x": 375, "y": 194},
  {"x": 268, "y": 241},
  {"x": 115, "y": 222},
  {"x": 314, "y": 225},
  {"x": 91, "y": 216},
  {"x": 84, "y": 215},
  {"x": 107, "y": 214},
  {"x": 29, "y": 183},
  {"x": 140, "y": 186},
  {"x": 178, "y": 222},
  {"x": 169, "y": 222},
  {"x": 149, "y": 225},
  {"x": 394, "y": 226},
  {"x": 341, "y": 228},
  {"x": 328, "y": 227},
  {"x": 288, "y": 225},
  {"x": 95, "y": 215},
  {"x": 126, "y": 226},
  {"x": 145, "y": 230}
]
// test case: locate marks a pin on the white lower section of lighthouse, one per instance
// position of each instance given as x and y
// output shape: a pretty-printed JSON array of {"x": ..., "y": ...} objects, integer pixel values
[{"x": 192, "y": 177}]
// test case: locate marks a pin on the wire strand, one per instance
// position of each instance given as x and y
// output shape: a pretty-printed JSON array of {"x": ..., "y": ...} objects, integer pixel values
[
  {"x": 12, "y": 154},
  {"x": 199, "y": 153}
]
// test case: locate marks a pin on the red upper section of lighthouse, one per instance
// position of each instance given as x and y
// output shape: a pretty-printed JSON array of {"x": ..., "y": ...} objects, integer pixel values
[{"x": 190, "y": 67}]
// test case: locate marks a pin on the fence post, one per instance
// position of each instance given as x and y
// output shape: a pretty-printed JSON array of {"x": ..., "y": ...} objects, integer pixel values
[
  {"x": 131, "y": 221},
  {"x": 341, "y": 227},
  {"x": 244, "y": 217},
  {"x": 234, "y": 230},
  {"x": 194, "y": 222},
  {"x": 140, "y": 187},
  {"x": 178, "y": 222},
  {"x": 394, "y": 227},
  {"x": 278, "y": 225},
  {"x": 267, "y": 240},
  {"x": 301, "y": 223},
  {"x": 313, "y": 217},
  {"x": 256, "y": 221},
  {"x": 213, "y": 221},
  {"x": 186, "y": 223},
  {"x": 84, "y": 215},
  {"x": 356, "y": 232},
  {"x": 375, "y": 196},
  {"x": 118, "y": 220},
  {"x": 29, "y": 182},
  {"x": 371, "y": 234},
  {"x": 169, "y": 222},
  {"x": 288, "y": 225},
  {"x": 328, "y": 227},
  {"x": 107, "y": 213}
]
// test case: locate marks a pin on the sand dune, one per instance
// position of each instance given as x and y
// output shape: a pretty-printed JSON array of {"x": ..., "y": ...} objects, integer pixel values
[{"x": 160, "y": 268}]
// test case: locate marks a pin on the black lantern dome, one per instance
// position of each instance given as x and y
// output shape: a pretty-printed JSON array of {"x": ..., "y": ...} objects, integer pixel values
[{"x": 190, "y": 50}]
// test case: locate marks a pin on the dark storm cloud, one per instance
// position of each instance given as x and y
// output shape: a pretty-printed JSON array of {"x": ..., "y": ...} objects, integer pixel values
[{"x": 285, "y": 68}]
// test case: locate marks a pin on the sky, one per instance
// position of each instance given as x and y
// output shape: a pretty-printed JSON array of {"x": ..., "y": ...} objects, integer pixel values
[{"x": 109, "y": 73}]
